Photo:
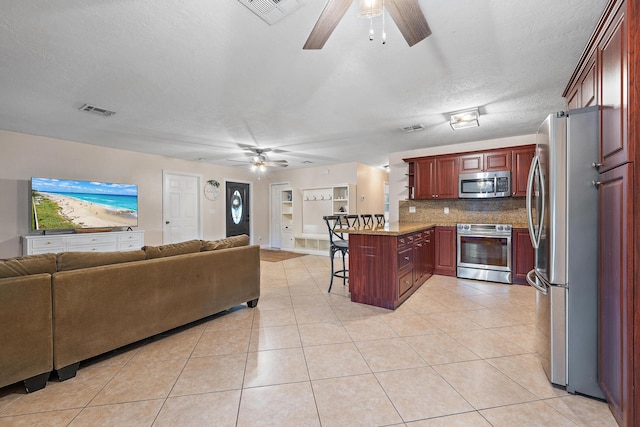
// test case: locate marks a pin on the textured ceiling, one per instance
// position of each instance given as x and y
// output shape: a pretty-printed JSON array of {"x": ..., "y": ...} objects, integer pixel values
[{"x": 197, "y": 79}]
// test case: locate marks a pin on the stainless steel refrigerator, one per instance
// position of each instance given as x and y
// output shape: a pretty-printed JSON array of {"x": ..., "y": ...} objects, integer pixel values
[{"x": 562, "y": 210}]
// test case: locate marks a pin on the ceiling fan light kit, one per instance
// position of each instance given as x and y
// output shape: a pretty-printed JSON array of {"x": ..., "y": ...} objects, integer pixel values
[
  {"x": 369, "y": 8},
  {"x": 464, "y": 119},
  {"x": 405, "y": 13}
]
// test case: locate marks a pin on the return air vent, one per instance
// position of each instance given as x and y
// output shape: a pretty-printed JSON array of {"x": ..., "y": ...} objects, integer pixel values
[
  {"x": 413, "y": 128},
  {"x": 272, "y": 11},
  {"x": 97, "y": 110}
]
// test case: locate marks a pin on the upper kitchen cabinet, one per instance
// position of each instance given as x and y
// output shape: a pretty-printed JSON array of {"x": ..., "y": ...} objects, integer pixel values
[
  {"x": 601, "y": 78},
  {"x": 585, "y": 91},
  {"x": 487, "y": 161},
  {"x": 435, "y": 177},
  {"x": 614, "y": 142},
  {"x": 521, "y": 162}
]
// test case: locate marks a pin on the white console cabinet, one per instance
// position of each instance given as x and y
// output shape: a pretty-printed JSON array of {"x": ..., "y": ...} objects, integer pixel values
[{"x": 83, "y": 242}]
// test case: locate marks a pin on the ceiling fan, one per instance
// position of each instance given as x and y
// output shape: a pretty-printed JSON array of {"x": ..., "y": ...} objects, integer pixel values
[
  {"x": 259, "y": 160},
  {"x": 405, "y": 13}
]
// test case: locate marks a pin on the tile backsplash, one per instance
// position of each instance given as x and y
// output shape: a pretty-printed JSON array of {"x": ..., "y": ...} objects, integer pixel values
[{"x": 508, "y": 210}]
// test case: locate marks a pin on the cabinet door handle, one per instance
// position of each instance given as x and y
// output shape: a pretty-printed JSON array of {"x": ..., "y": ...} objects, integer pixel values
[
  {"x": 406, "y": 258},
  {"x": 406, "y": 282},
  {"x": 597, "y": 165},
  {"x": 596, "y": 183},
  {"x": 419, "y": 245},
  {"x": 428, "y": 241}
]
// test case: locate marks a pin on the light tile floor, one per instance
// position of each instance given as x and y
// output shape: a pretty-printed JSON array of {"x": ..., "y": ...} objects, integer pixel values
[{"x": 457, "y": 353}]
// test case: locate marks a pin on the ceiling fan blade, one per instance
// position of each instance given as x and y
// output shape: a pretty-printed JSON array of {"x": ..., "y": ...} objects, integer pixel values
[
  {"x": 328, "y": 21},
  {"x": 410, "y": 20},
  {"x": 277, "y": 163}
]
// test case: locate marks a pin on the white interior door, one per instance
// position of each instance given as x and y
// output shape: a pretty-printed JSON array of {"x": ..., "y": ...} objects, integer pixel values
[
  {"x": 276, "y": 206},
  {"x": 181, "y": 207}
]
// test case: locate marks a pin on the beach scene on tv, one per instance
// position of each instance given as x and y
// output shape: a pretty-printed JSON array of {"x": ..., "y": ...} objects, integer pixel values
[{"x": 69, "y": 204}]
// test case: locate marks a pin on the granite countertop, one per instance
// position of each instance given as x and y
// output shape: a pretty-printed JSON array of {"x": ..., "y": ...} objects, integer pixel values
[
  {"x": 401, "y": 228},
  {"x": 391, "y": 229}
]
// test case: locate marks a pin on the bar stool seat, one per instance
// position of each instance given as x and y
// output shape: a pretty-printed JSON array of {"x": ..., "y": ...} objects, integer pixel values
[{"x": 337, "y": 243}]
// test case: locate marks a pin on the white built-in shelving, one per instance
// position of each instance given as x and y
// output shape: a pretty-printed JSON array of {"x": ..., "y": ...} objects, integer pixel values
[
  {"x": 286, "y": 219},
  {"x": 319, "y": 202}
]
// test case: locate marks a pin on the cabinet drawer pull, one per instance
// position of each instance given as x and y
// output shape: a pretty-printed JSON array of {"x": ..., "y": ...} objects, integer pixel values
[
  {"x": 419, "y": 245},
  {"x": 406, "y": 258},
  {"x": 428, "y": 241},
  {"x": 406, "y": 282}
]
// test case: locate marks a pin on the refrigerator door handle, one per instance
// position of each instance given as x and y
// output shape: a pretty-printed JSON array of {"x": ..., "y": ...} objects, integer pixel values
[
  {"x": 544, "y": 289},
  {"x": 535, "y": 239}
]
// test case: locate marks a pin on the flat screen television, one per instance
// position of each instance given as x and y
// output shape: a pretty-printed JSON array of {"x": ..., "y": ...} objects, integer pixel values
[{"x": 63, "y": 204}]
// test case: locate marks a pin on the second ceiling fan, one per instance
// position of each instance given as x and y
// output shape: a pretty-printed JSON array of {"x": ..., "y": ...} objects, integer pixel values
[{"x": 405, "y": 13}]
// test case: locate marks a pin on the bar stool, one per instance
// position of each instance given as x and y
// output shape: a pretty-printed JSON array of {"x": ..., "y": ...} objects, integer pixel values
[
  {"x": 380, "y": 220},
  {"x": 367, "y": 220},
  {"x": 337, "y": 243},
  {"x": 352, "y": 221}
]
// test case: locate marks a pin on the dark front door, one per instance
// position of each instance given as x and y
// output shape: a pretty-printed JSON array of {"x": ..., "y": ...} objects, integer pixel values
[{"x": 237, "y": 209}]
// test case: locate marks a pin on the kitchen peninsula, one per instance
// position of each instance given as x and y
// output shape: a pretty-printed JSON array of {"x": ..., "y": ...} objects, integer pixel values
[{"x": 388, "y": 264}]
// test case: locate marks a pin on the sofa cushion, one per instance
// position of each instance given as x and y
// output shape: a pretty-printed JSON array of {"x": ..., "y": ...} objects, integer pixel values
[
  {"x": 76, "y": 260},
  {"x": 27, "y": 265},
  {"x": 229, "y": 242},
  {"x": 188, "y": 247}
]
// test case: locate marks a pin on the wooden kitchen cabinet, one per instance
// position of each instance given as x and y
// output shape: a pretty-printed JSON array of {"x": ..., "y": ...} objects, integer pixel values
[
  {"x": 523, "y": 256},
  {"x": 445, "y": 251},
  {"x": 521, "y": 163},
  {"x": 384, "y": 270},
  {"x": 585, "y": 91},
  {"x": 485, "y": 161},
  {"x": 614, "y": 144},
  {"x": 436, "y": 178},
  {"x": 615, "y": 291},
  {"x": 423, "y": 256}
]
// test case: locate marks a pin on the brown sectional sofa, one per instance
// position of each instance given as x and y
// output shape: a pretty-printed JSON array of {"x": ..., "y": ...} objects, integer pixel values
[{"x": 97, "y": 302}]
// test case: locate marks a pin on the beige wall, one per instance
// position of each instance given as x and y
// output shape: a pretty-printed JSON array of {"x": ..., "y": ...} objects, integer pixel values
[
  {"x": 371, "y": 189},
  {"x": 23, "y": 156},
  {"x": 398, "y": 168}
]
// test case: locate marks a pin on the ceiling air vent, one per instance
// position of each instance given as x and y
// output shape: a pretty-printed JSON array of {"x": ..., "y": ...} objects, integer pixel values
[
  {"x": 97, "y": 110},
  {"x": 413, "y": 128},
  {"x": 271, "y": 11}
]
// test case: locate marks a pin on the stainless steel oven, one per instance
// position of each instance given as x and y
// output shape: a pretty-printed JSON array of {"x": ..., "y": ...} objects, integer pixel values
[{"x": 484, "y": 252}]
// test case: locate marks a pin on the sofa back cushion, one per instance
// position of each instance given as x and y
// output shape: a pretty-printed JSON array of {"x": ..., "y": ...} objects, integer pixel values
[
  {"x": 27, "y": 265},
  {"x": 229, "y": 242},
  {"x": 188, "y": 247},
  {"x": 76, "y": 260}
]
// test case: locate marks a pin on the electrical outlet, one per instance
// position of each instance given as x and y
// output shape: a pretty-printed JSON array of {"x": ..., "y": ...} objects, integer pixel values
[
  {"x": 446, "y": 210},
  {"x": 412, "y": 209},
  {"x": 260, "y": 238}
]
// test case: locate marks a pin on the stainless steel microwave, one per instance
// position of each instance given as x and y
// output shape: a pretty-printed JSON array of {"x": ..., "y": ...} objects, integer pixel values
[{"x": 484, "y": 185}]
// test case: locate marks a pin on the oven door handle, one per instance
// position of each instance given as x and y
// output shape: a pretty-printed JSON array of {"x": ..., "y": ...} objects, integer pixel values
[
  {"x": 495, "y": 184},
  {"x": 544, "y": 289}
]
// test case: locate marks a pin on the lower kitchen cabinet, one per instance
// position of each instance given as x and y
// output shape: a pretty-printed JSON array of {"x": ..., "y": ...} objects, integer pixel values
[
  {"x": 445, "y": 251},
  {"x": 523, "y": 256},
  {"x": 384, "y": 270},
  {"x": 616, "y": 354}
]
